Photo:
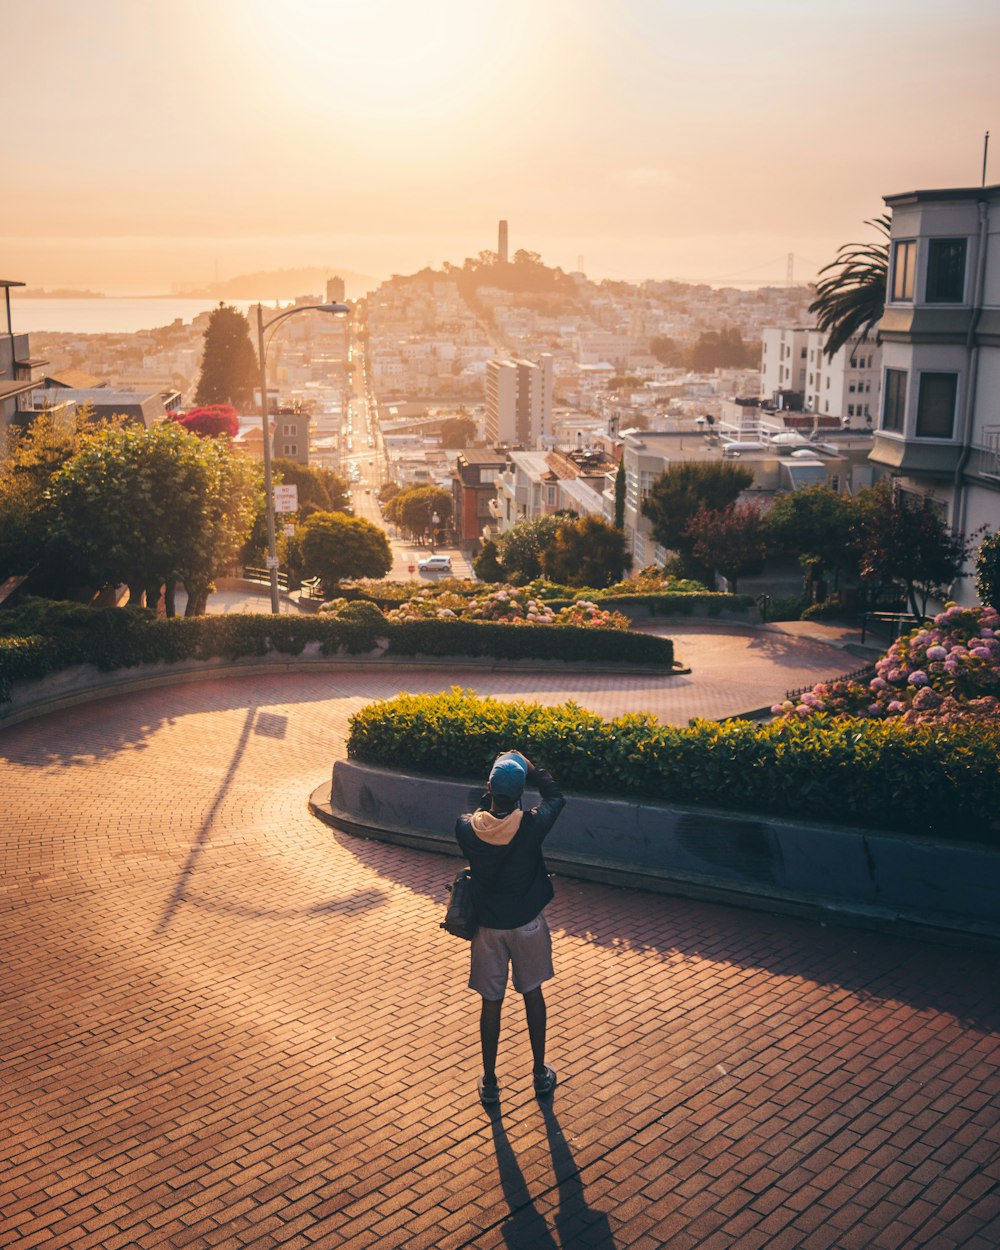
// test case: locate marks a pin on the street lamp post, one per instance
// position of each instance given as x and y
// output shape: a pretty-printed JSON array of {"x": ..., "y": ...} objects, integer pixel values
[{"x": 272, "y": 546}]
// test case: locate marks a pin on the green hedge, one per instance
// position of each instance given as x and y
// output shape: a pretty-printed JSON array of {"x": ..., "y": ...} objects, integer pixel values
[
  {"x": 671, "y": 603},
  {"x": 527, "y": 642},
  {"x": 38, "y": 640},
  {"x": 886, "y": 775}
]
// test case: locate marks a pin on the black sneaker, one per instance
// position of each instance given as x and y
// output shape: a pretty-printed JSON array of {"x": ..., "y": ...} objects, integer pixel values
[
  {"x": 489, "y": 1095},
  {"x": 545, "y": 1082}
]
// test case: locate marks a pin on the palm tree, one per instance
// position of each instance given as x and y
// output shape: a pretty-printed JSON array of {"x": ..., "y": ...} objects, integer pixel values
[{"x": 851, "y": 298}]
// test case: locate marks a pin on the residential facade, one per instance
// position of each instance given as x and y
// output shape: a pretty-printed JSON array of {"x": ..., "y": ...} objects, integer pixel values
[
  {"x": 845, "y": 386},
  {"x": 519, "y": 401},
  {"x": 939, "y": 426}
]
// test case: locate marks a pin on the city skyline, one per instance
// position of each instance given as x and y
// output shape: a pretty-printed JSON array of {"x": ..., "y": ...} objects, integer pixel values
[{"x": 179, "y": 143}]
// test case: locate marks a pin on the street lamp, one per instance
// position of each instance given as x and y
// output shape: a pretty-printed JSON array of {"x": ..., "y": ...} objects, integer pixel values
[
  {"x": 435, "y": 520},
  {"x": 272, "y": 547}
]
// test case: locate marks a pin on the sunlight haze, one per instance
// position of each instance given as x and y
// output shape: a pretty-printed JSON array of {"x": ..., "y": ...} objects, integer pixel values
[{"x": 163, "y": 144}]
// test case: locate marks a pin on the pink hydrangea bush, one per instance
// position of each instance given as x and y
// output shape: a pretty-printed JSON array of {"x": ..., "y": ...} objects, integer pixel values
[{"x": 946, "y": 671}]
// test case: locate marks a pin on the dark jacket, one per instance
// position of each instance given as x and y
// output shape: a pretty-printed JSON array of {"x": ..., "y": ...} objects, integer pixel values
[{"x": 510, "y": 883}]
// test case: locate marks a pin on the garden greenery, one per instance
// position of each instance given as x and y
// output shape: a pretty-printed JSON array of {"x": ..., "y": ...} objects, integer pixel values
[{"x": 882, "y": 774}]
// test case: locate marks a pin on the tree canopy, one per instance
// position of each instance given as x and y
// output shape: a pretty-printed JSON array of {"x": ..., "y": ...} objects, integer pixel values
[
  {"x": 320, "y": 489},
  {"x": 522, "y": 546},
  {"x": 414, "y": 507},
  {"x": 586, "y": 552},
  {"x": 988, "y": 571},
  {"x": 730, "y": 540},
  {"x": 229, "y": 367},
  {"x": 814, "y": 524},
  {"x": 458, "y": 432},
  {"x": 27, "y": 544},
  {"x": 210, "y": 421},
  {"x": 677, "y": 494},
  {"x": 335, "y": 546},
  {"x": 148, "y": 507}
]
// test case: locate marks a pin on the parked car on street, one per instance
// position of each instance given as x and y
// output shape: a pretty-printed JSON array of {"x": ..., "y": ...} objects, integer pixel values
[{"x": 435, "y": 564}]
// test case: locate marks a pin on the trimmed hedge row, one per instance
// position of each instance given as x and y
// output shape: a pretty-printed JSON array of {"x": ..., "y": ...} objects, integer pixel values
[
  {"x": 884, "y": 775},
  {"x": 114, "y": 638},
  {"x": 663, "y": 603}
]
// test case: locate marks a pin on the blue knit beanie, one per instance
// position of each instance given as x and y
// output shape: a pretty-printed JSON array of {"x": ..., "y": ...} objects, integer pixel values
[{"x": 507, "y": 776}]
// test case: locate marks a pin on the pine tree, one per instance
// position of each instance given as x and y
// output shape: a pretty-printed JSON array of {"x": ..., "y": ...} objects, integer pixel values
[{"x": 229, "y": 369}]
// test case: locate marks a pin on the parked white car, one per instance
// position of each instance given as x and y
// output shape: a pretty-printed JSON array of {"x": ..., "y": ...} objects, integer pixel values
[{"x": 435, "y": 564}]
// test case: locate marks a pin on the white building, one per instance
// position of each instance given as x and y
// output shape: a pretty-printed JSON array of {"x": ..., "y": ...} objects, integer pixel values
[
  {"x": 845, "y": 385},
  {"x": 939, "y": 426},
  {"x": 519, "y": 401}
]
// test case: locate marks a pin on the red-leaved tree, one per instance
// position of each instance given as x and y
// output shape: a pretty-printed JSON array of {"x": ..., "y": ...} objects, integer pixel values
[
  {"x": 210, "y": 421},
  {"x": 730, "y": 540}
]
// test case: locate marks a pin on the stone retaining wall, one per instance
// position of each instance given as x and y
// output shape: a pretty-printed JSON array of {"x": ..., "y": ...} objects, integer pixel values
[{"x": 865, "y": 876}]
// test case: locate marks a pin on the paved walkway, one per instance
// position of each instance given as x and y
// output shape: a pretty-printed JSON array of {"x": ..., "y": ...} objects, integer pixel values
[{"x": 223, "y": 1025}]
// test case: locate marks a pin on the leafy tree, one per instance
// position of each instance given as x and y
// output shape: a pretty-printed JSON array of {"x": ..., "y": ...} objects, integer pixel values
[
  {"x": 678, "y": 493},
  {"x": 731, "y": 540},
  {"x": 903, "y": 541},
  {"x": 335, "y": 546},
  {"x": 522, "y": 546},
  {"x": 486, "y": 565},
  {"x": 149, "y": 507},
  {"x": 210, "y": 421},
  {"x": 586, "y": 552},
  {"x": 624, "y": 382},
  {"x": 988, "y": 571},
  {"x": 814, "y": 524},
  {"x": 850, "y": 298},
  {"x": 26, "y": 542},
  {"x": 719, "y": 349},
  {"x": 620, "y": 495},
  {"x": 320, "y": 489},
  {"x": 413, "y": 508},
  {"x": 666, "y": 350},
  {"x": 458, "y": 432},
  {"x": 229, "y": 367}
]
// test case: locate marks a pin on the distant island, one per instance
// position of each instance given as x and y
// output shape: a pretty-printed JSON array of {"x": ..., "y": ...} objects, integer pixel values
[
  {"x": 30, "y": 292},
  {"x": 279, "y": 284}
]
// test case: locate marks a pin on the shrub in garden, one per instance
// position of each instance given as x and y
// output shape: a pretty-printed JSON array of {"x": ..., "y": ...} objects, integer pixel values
[
  {"x": 945, "y": 672},
  {"x": 883, "y": 774}
]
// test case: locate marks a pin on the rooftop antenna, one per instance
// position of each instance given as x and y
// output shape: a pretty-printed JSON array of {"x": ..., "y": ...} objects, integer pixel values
[{"x": 986, "y": 148}]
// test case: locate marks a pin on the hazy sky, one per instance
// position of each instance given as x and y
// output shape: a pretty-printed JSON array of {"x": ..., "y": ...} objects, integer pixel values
[{"x": 152, "y": 142}]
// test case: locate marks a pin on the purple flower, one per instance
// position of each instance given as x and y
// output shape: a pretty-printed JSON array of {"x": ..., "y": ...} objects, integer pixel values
[
  {"x": 875, "y": 709},
  {"x": 878, "y": 683},
  {"x": 936, "y": 653},
  {"x": 981, "y": 653},
  {"x": 918, "y": 678},
  {"x": 896, "y": 675},
  {"x": 896, "y": 706}
]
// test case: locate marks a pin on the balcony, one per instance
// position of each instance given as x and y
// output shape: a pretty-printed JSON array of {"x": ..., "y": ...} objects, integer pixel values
[
  {"x": 985, "y": 459},
  {"x": 920, "y": 457}
]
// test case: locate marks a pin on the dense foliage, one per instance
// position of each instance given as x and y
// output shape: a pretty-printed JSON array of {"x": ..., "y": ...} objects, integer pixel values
[
  {"x": 730, "y": 540},
  {"x": 676, "y": 496},
  {"x": 947, "y": 672},
  {"x": 210, "y": 421},
  {"x": 415, "y": 507},
  {"x": 586, "y": 552},
  {"x": 885, "y": 775},
  {"x": 850, "y": 295},
  {"x": 229, "y": 368},
  {"x": 988, "y": 569},
  {"x": 335, "y": 546},
  {"x": 45, "y": 636}
]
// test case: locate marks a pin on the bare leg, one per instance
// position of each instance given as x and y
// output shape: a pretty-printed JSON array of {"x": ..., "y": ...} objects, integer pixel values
[
  {"x": 489, "y": 1037},
  {"x": 534, "y": 1009}
]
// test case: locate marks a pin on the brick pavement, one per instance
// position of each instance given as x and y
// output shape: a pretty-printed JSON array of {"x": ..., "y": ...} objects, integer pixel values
[{"x": 222, "y": 1025}]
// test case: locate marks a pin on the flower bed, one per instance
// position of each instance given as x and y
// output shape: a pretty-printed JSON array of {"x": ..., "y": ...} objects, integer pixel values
[
  {"x": 942, "y": 673},
  {"x": 888, "y": 775}
]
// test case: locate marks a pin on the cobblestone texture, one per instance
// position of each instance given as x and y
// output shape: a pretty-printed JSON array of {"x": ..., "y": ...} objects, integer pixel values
[{"x": 224, "y": 1026}]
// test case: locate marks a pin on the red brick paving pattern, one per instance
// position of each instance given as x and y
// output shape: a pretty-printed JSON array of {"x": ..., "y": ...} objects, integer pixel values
[{"x": 224, "y": 1026}]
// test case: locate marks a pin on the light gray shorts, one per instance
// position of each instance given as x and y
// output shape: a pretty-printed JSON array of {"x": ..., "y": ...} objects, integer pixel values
[{"x": 528, "y": 950}]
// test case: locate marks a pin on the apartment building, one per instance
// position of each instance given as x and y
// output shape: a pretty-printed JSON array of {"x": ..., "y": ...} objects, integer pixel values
[
  {"x": 519, "y": 401},
  {"x": 846, "y": 385},
  {"x": 939, "y": 426},
  {"x": 17, "y": 367}
]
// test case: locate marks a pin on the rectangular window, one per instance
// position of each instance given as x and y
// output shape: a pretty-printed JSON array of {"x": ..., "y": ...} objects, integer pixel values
[
  {"x": 894, "y": 407},
  {"x": 803, "y": 353},
  {"x": 936, "y": 405},
  {"x": 852, "y": 388},
  {"x": 903, "y": 254},
  {"x": 945, "y": 271},
  {"x": 850, "y": 410}
]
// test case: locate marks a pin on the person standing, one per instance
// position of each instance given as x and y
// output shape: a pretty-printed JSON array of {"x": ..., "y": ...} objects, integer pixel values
[{"x": 510, "y": 889}]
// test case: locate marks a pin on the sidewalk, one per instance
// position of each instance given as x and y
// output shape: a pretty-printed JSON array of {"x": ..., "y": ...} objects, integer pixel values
[{"x": 224, "y": 1026}]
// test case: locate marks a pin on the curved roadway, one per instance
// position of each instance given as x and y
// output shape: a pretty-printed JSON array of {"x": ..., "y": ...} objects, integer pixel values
[{"x": 223, "y": 1025}]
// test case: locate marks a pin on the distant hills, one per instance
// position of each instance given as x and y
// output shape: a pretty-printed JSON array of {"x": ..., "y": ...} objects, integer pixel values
[{"x": 281, "y": 284}]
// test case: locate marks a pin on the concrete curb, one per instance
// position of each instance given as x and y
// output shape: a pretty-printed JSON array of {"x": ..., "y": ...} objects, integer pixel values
[{"x": 867, "y": 878}]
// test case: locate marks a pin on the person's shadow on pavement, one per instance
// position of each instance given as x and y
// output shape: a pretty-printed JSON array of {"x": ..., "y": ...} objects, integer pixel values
[{"x": 527, "y": 1228}]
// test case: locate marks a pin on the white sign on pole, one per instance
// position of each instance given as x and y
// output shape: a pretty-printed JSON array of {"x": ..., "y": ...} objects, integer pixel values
[
  {"x": 286, "y": 499},
  {"x": 288, "y": 530}
]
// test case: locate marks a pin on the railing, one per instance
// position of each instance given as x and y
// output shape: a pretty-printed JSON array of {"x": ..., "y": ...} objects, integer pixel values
[
  {"x": 859, "y": 674},
  {"x": 895, "y": 620},
  {"x": 312, "y": 588},
  {"x": 985, "y": 458},
  {"x": 264, "y": 577}
]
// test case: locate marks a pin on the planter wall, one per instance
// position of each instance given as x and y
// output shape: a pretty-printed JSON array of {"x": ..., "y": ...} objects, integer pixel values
[{"x": 868, "y": 877}]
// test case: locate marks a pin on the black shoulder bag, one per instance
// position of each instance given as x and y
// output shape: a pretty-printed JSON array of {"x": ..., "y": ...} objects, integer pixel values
[{"x": 460, "y": 917}]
